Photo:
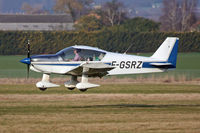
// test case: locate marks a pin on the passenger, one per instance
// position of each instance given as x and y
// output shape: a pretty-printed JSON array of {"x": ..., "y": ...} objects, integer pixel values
[{"x": 77, "y": 56}]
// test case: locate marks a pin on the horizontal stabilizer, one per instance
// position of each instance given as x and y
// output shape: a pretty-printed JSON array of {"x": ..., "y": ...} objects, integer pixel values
[{"x": 162, "y": 65}]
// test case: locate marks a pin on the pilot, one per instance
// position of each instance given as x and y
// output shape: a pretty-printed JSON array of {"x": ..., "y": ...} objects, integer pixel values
[{"x": 77, "y": 57}]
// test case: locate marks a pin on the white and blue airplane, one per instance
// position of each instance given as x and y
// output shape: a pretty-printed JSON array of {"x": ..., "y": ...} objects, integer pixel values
[{"x": 95, "y": 62}]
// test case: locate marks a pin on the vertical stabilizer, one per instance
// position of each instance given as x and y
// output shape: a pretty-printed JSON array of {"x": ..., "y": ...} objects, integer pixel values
[{"x": 168, "y": 51}]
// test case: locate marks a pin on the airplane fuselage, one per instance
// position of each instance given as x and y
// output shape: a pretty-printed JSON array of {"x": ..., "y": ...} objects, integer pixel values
[
  {"x": 123, "y": 63},
  {"x": 94, "y": 62}
]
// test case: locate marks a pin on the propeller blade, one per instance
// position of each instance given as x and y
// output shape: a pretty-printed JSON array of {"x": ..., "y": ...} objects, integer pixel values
[
  {"x": 28, "y": 56},
  {"x": 28, "y": 49}
]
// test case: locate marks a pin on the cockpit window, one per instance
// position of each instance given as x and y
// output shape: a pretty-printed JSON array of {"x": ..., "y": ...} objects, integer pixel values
[
  {"x": 45, "y": 58},
  {"x": 91, "y": 55},
  {"x": 72, "y": 54}
]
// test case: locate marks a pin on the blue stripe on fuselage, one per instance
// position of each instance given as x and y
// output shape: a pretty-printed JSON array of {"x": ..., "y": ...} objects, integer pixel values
[
  {"x": 59, "y": 64},
  {"x": 66, "y": 64}
]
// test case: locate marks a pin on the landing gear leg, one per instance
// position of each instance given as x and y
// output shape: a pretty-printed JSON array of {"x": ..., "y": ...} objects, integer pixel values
[
  {"x": 45, "y": 83},
  {"x": 45, "y": 78},
  {"x": 84, "y": 79},
  {"x": 71, "y": 84},
  {"x": 84, "y": 84}
]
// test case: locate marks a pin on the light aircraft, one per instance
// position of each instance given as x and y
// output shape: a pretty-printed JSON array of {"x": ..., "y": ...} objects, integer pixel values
[{"x": 95, "y": 62}]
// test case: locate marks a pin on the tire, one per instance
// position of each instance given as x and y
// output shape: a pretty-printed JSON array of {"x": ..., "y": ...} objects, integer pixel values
[
  {"x": 71, "y": 88},
  {"x": 83, "y": 90},
  {"x": 42, "y": 89}
]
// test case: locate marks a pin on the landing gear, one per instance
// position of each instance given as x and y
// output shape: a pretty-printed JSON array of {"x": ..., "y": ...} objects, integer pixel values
[
  {"x": 42, "y": 89},
  {"x": 84, "y": 84},
  {"x": 83, "y": 90},
  {"x": 71, "y": 84},
  {"x": 72, "y": 88},
  {"x": 45, "y": 83}
]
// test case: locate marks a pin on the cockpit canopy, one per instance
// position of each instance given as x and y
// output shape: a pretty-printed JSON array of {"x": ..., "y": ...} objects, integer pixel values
[
  {"x": 68, "y": 54},
  {"x": 85, "y": 54}
]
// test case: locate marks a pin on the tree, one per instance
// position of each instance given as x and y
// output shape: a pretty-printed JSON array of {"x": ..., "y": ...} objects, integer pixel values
[
  {"x": 187, "y": 14},
  {"x": 140, "y": 24},
  {"x": 113, "y": 13},
  {"x": 36, "y": 9},
  {"x": 27, "y": 8},
  {"x": 171, "y": 16},
  {"x": 75, "y": 8},
  {"x": 88, "y": 23},
  {"x": 178, "y": 15}
]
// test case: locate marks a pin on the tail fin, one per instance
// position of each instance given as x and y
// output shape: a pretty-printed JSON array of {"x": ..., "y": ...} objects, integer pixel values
[{"x": 168, "y": 51}]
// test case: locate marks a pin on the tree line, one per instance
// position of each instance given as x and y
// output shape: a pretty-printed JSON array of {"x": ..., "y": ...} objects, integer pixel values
[
  {"x": 14, "y": 43},
  {"x": 109, "y": 28}
]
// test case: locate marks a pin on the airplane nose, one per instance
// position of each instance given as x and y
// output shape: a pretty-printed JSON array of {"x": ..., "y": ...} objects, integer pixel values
[{"x": 26, "y": 61}]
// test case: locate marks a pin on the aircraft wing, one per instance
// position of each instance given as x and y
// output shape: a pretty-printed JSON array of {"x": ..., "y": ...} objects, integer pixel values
[{"x": 93, "y": 69}]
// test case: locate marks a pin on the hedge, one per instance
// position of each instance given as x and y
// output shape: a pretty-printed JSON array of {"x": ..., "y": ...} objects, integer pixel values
[{"x": 14, "y": 42}]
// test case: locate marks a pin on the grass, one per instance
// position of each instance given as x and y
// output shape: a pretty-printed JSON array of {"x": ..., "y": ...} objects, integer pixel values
[
  {"x": 106, "y": 89},
  {"x": 122, "y": 108},
  {"x": 188, "y": 65}
]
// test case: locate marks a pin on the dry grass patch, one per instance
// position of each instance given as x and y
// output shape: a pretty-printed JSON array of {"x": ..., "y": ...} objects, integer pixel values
[
  {"x": 137, "y": 122},
  {"x": 181, "y": 79},
  {"x": 99, "y": 97}
]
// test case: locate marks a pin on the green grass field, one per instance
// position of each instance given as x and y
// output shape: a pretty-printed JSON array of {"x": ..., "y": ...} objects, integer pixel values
[
  {"x": 188, "y": 65},
  {"x": 122, "y": 108},
  {"x": 105, "y": 89}
]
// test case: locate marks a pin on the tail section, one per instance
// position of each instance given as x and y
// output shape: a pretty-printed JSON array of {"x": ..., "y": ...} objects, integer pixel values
[{"x": 167, "y": 52}]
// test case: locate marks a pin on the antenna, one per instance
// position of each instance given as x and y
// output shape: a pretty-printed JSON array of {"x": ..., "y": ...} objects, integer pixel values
[{"x": 128, "y": 48}]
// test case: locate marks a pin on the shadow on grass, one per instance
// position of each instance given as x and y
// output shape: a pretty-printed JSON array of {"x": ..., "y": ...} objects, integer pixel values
[{"x": 136, "y": 106}]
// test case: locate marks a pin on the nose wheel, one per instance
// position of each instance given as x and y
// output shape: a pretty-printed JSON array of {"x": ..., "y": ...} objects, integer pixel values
[
  {"x": 45, "y": 83},
  {"x": 71, "y": 84}
]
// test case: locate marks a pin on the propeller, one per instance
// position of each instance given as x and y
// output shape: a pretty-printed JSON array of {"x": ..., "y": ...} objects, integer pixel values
[{"x": 28, "y": 56}]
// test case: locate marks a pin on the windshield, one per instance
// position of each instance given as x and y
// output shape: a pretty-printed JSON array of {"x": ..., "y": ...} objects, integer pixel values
[
  {"x": 72, "y": 54},
  {"x": 45, "y": 58}
]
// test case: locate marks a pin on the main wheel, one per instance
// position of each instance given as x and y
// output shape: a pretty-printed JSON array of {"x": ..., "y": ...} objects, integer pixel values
[
  {"x": 72, "y": 88},
  {"x": 42, "y": 89},
  {"x": 83, "y": 90}
]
